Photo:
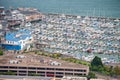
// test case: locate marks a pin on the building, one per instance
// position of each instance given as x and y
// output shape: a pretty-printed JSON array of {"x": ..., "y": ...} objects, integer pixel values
[
  {"x": 3, "y": 26},
  {"x": 36, "y": 65},
  {"x": 2, "y": 13},
  {"x": 20, "y": 16},
  {"x": 30, "y": 14},
  {"x": 14, "y": 18},
  {"x": 18, "y": 40}
]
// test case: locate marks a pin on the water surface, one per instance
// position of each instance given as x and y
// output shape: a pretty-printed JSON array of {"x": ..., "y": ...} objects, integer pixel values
[{"x": 108, "y": 8}]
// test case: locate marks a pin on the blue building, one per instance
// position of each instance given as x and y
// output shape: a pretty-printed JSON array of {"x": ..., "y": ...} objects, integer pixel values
[{"x": 18, "y": 40}]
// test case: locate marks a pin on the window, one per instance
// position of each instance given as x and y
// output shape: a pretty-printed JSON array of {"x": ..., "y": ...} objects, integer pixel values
[
  {"x": 50, "y": 68},
  {"x": 3, "y": 70},
  {"x": 22, "y": 71},
  {"x": 84, "y": 74},
  {"x": 31, "y": 68},
  {"x": 22, "y": 67},
  {"x": 84, "y": 70},
  {"x": 41, "y": 72},
  {"x": 68, "y": 69},
  {"x": 3, "y": 66},
  {"x": 68, "y": 73},
  {"x": 59, "y": 69},
  {"x": 31, "y": 71},
  {"x": 59, "y": 72},
  {"x": 78, "y": 70},
  {"x": 78, "y": 74},
  {"x": 13, "y": 67},
  {"x": 41, "y": 68},
  {"x": 50, "y": 72},
  {"x": 13, "y": 71}
]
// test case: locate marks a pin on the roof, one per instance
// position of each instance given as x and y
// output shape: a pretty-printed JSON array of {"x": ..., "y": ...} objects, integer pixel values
[
  {"x": 33, "y": 60},
  {"x": 19, "y": 35}
]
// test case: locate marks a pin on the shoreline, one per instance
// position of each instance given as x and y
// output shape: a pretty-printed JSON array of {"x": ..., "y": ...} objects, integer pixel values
[{"x": 72, "y": 15}]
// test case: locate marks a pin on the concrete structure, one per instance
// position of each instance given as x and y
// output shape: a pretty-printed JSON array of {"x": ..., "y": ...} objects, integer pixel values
[
  {"x": 18, "y": 40},
  {"x": 8, "y": 77},
  {"x": 33, "y": 64}
]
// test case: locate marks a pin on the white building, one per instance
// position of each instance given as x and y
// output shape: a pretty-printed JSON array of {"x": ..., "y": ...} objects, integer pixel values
[{"x": 19, "y": 40}]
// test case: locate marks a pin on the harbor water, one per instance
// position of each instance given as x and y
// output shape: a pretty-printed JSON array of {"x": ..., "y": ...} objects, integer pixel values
[{"x": 106, "y": 8}]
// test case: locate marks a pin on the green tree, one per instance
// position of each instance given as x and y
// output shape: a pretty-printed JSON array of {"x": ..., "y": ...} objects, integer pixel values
[
  {"x": 91, "y": 75},
  {"x": 96, "y": 62},
  {"x": 1, "y": 52},
  {"x": 109, "y": 70}
]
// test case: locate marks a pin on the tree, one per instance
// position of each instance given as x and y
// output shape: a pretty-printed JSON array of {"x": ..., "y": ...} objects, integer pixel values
[
  {"x": 117, "y": 71},
  {"x": 109, "y": 70},
  {"x": 91, "y": 75},
  {"x": 96, "y": 62},
  {"x": 1, "y": 52}
]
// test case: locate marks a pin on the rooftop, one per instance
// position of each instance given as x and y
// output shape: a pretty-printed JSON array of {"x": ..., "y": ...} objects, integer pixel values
[
  {"x": 34, "y": 60},
  {"x": 18, "y": 35}
]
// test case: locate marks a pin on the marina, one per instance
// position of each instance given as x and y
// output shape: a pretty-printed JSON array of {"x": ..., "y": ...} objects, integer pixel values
[
  {"x": 82, "y": 37},
  {"x": 79, "y": 36},
  {"x": 60, "y": 39}
]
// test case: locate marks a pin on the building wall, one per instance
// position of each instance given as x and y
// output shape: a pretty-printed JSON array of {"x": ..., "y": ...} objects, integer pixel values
[
  {"x": 11, "y": 47},
  {"x": 11, "y": 42},
  {"x": 44, "y": 71}
]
